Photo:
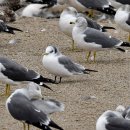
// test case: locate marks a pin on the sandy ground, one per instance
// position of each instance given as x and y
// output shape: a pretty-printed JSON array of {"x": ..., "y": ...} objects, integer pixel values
[{"x": 110, "y": 85}]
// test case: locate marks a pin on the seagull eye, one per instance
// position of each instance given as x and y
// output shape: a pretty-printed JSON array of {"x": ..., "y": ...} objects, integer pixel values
[{"x": 51, "y": 51}]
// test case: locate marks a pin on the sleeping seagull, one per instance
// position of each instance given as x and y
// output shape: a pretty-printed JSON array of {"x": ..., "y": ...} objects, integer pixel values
[
  {"x": 7, "y": 29},
  {"x": 100, "y": 5},
  {"x": 92, "y": 39},
  {"x": 112, "y": 120},
  {"x": 14, "y": 73},
  {"x": 22, "y": 108},
  {"x": 70, "y": 14},
  {"x": 60, "y": 65},
  {"x": 122, "y": 18}
]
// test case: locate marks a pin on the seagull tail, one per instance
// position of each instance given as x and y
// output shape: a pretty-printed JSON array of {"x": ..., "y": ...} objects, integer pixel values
[
  {"x": 12, "y": 29},
  {"x": 54, "y": 125},
  {"x": 125, "y": 44},
  {"x": 108, "y": 10},
  {"x": 104, "y": 28},
  {"x": 87, "y": 71}
]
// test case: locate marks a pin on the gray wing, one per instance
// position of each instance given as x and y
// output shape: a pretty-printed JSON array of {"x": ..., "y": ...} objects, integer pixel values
[
  {"x": 69, "y": 65},
  {"x": 128, "y": 20},
  {"x": 15, "y": 71},
  {"x": 22, "y": 109},
  {"x": 48, "y": 106},
  {"x": 117, "y": 124},
  {"x": 97, "y": 37},
  {"x": 93, "y": 3}
]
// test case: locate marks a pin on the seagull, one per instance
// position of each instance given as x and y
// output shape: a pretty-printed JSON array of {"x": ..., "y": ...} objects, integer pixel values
[
  {"x": 122, "y": 18},
  {"x": 14, "y": 73},
  {"x": 70, "y": 14},
  {"x": 61, "y": 65},
  {"x": 100, "y": 5},
  {"x": 112, "y": 120},
  {"x": 92, "y": 39},
  {"x": 7, "y": 29},
  {"x": 21, "y": 106}
]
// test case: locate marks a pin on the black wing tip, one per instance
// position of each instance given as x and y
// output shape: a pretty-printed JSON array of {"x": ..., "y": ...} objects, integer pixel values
[
  {"x": 107, "y": 10},
  {"x": 54, "y": 125},
  {"x": 89, "y": 70},
  {"x": 120, "y": 49},
  {"x": 125, "y": 44},
  {"x": 104, "y": 28}
]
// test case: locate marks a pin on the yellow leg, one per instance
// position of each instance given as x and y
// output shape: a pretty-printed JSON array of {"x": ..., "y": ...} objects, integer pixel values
[
  {"x": 129, "y": 38},
  {"x": 7, "y": 89},
  {"x": 24, "y": 126},
  {"x": 88, "y": 55},
  {"x": 94, "y": 54},
  {"x": 73, "y": 47}
]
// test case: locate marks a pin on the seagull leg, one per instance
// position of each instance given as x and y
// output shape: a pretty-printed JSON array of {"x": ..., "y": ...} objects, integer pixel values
[
  {"x": 55, "y": 78},
  {"x": 8, "y": 89},
  {"x": 28, "y": 126},
  {"x": 60, "y": 79},
  {"x": 73, "y": 47},
  {"x": 88, "y": 55},
  {"x": 129, "y": 38},
  {"x": 24, "y": 126},
  {"x": 94, "y": 54}
]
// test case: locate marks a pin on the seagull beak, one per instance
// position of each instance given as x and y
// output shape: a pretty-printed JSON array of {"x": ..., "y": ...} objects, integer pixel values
[
  {"x": 72, "y": 22},
  {"x": 45, "y": 54}
]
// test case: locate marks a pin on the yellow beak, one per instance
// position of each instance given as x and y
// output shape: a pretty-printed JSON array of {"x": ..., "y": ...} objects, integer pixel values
[{"x": 45, "y": 54}]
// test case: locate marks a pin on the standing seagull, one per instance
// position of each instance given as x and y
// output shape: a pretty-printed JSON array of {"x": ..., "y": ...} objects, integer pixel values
[
  {"x": 21, "y": 108},
  {"x": 60, "y": 65},
  {"x": 13, "y": 73},
  {"x": 7, "y": 29},
  {"x": 122, "y": 18},
  {"x": 70, "y": 14},
  {"x": 112, "y": 120},
  {"x": 100, "y": 5},
  {"x": 92, "y": 39}
]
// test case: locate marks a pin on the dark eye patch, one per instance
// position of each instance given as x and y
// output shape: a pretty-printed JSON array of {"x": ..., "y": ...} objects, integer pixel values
[{"x": 51, "y": 51}]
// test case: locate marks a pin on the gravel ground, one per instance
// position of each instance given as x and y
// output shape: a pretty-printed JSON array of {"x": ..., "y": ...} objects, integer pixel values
[{"x": 85, "y": 97}]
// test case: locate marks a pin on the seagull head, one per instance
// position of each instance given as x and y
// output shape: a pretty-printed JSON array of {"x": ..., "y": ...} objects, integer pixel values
[
  {"x": 51, "y": 50},
  {"x": 80, "y": 22},
  {"x": 34, "y": 91},
  {"x": 70, "y": 11}
]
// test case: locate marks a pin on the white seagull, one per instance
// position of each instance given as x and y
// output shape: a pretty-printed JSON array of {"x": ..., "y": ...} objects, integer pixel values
[
  {"x": 27, "y": 106},
  {"x": 92, "y": 39},
  {"x": 14, "y": 73},
  {"x": 122, "y": 18},
  {"x": 112, "y": 120},
  {"x": 70, "y": 14},
  {"x": 61, "y": 65}
]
